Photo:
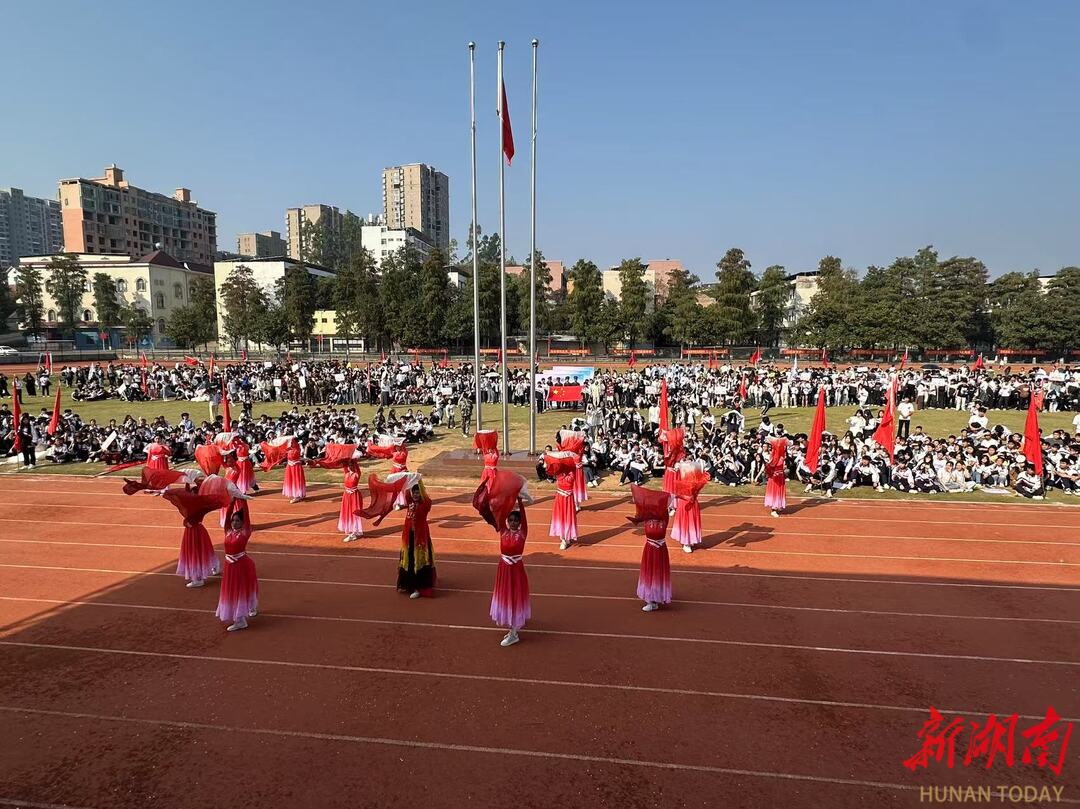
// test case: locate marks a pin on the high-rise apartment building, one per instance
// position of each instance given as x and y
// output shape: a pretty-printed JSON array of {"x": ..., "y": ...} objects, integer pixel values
[
  {"x": 297, "y": 218},
  {"x": 109, "y": 215},
  {"x": 264, "y": 244},
  {"x": 417, "y": 196},
  {"x": 29, "y": 226}
]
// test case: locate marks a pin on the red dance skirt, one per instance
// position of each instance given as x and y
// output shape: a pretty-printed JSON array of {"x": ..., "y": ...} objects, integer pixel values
[
  {"x": 245, "y": 476},
  {"x": 670, "y": 476},
  {"x": 349, "y": 521},
  {"x": 686, "y": 527},
  {"x": 510, "y": 603},
  {"x": 654, "y": 578},
  {"x": 581, "y": 493},
  {"x": 197, "y": 558},
  {"x": 294, "y": 485},
  {"x": 563, "y": 517},
  {"x": 239, "y": 589},
  {"x": 776, "y": 491}
]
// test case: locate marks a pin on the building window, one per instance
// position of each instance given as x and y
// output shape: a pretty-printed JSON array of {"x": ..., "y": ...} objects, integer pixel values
[
  {"x": 87, "y": 286},
  {"x": 87, "y": 315},
  {"x": 121, "y": 285},
  {"x": 159, "y": 300},
  {"x": 161, "y": 325},
  {"x": 191, "y": 292},
  {"x": 140, "y": 285},
  {"x": 51, "y": 316},
  {"x": 178, "y": 291}
]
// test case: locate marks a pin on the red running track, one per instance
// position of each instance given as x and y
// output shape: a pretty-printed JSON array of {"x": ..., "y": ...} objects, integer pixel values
[{"x": 795, "y": 668}]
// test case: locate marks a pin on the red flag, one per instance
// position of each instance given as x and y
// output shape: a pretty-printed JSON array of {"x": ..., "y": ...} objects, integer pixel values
[
  {"x": 498, "y": 357},
  {"x": 755, "y": 358},
  {"x": 712, "y": 361},
  {"x": 1032, "y": 439},
  {"x": 813, "y": 446},
  {"x": 142, "y": 359},
  {"x": 16, "y": 417},
  {"x": 1039, "y": 396},
  {"x": 633, "y": 359},
  {"x": 903, "y": 360},
  {"x": 742, "y": 387},
  {"x": 445, "y": 363},
  {"x": 825, "y": 358},
  {"x": 288, "y": 355},
  {"x": 244, "y": 356},
  {"x": 210, "y": 368},
  {"x": 226, "y": 419},
  {"x": 54, "y": 422},
  {"x": 507, "y": 131},
  {"x": 48, "y": 362},
  {"x": 145, "y": 387},
  {"x": 978, "y": 364},
  {"x": 565, "y": 393},
  {"x": 885, "y": 434},
  {"x": 663, "y": 404},
  {"x": 191, "y": 361}
]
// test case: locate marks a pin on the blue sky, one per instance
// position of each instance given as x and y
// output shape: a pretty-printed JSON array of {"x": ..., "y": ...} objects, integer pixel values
[{"x": 667, "y": 130}]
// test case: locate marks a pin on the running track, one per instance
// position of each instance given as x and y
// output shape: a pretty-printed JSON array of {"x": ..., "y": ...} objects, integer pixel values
[{"x": 795, "y": 669}]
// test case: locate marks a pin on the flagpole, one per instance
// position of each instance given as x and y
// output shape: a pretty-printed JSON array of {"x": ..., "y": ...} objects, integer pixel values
[
  {"x": 532, "y": 271},
  {"x": 502, "y": 260},
  {"x": 475, "y": 260}
]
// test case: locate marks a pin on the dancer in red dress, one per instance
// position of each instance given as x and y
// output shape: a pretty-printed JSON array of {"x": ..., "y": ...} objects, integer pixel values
[
  {"x": 487, "y": 443},
  {"x": 239, "y": 599},
  {"x": 197, "y": 561},
  {"x": 654, "y": 577},
  {"x": 344, "y": 456},
  {"x": 501, "y": 502},
  {"x": 574, "y": 441},
  {"x": 416, "y": 563},
  {"x": 286, "y": 448},
  {"x": 776, "y": 473},
  {"x": 690, "y": 479},
  {"x": 245, "y": 480},
  {"x": 562, "y": 466},
  {"x": 157, "y": 455},
  {"x": 673, "y": 442}
]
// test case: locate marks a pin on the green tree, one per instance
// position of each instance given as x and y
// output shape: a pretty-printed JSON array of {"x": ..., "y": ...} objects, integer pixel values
[
  {"x": 30, "y": 300},
  {"x": 633, "y": 299},
  {"x": 398, "y": 293},
  {"x": 773, "y": 295},
  {"x": 295, "y": 294},
  {"x": 66, "y": 283},
  {"x": 828, "y": 320},
  {"x": 272, "y": 326},
  {"x": 733, "y": 320},
  {"x": 434, "y": 301},
  {"x": 585, "y": 299},
  {"x": 459, "y": 319},
  {"x": 185, "y": 327},
  {"x": 1063, "y": 304},
  {"x": 1018, "y": 311},
  {"x": 242, "y": 301},
  {"x": 137, "y": 323},
  {"x": 204, "y": 302},
  {"x": 109, "y": 309},
  {"x": 544, "y": 317},
  {"x": 7, "y": 299},
  {"x": 608, "y": 325}
]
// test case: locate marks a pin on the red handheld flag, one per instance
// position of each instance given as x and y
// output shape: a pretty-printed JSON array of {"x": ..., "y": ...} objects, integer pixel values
[
  {"x": 144, "y": 386},
  {"x": 565, "y": 393},
  {"x": 142, "y": 359},
  {"x": 226, "y": 419},
  {"x": 54, "y": 422},
  {"x": 507, "y": 130},
  {"x": 712, "y": 360},
  {"x": 978, "y": 364},
  {"x": 903, "y": 360},
  {"x": 633, "y": 359},
  {"x": 813, "y": 446},
  {"x": 755, "y": 358},
  {"x": 742, "y": 388},
  {"x": 885, "y": 434},
  {"x": 244, "y": 356},
  {"x": 825, "y": 358},
  {"x": 1032, "y": 438},
  {"x": 48, "y": 363},
  {"x": 191, "y": 361},
  {"x": 16, "y": 417}
]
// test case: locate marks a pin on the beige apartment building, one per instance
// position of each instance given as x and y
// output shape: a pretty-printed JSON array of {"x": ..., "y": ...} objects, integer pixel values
[
  {"x": 157, "y": 283},
  {"x": 297, "y": 218},
  {"x": 556, "y": 268},
  {"x": 417, "y": 196},
  {"x": 107, "y": 215},
  {"x": 265, "y": 243}
]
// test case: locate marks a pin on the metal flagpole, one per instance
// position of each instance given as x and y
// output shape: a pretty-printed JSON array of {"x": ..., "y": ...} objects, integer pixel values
[
  {"x": 502, "y": 261},
  {"x": 475, "y": 246},
  {"x": 532, "y": 271}
]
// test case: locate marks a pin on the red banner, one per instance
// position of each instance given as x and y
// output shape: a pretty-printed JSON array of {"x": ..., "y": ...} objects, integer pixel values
[{"x": 565, "y": 393}]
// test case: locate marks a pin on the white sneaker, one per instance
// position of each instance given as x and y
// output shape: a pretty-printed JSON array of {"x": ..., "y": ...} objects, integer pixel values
[
  {"x": 687, "y": 549},
  {"x": 775, "y": 513},
  {"x": 650, "y": 607},
  {"x": 1037, "y": 497},
  {"x": 194, "y": 584},
  {"x": 564, "y": 545},
  {"x": 414, "y": 594},
  {"x": 510, "y": 639},
  {"x": 807, "y": 489}
]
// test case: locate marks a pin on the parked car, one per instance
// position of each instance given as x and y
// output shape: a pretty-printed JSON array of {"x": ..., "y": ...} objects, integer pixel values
[{"x": 7, "y": 351}]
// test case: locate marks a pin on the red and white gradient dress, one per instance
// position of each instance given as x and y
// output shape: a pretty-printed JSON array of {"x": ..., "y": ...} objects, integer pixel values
[
  {"x": 776, "y": 476},
  {"x": 157, "y": 456},
  {"x": 352, "y": 501},
  {"x": 510, "y": 603},
  {"x": 197, "y": 560},
  {"x": 239, "y": 582},
  {"x": 573, "y": 441},
  {"x": 689, "y": 481},
  {"x": 673, "y": 442},
  {"x": 245, "y": 478},
  {"x": 654, "y": 576},
  {"x": 563, "y": 509},
  {"x": 491, "y": 465},
  {"x": 294, "y": 485}
]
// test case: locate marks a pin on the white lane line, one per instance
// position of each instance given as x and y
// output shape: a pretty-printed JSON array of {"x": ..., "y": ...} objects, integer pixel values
[
  {"x": 534, "y": 594},
  {"x": 36, "y": 804},
  {"x": 716, "y": 549},
  {"x": 305, "y": 522},
  {"x": 570, "y": 633},
  {"x": 577, "y": 758},
  {"x": 681, "y": 692},
  {"x": 359, "y": 554}
]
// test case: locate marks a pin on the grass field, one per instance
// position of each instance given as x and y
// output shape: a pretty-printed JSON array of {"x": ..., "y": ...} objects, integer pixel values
[{"x": 934, "y": 422}]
